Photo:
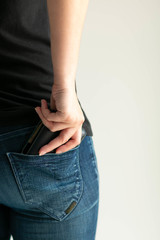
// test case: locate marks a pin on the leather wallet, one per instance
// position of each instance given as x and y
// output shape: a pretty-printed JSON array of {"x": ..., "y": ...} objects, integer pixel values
[{"x": 41, "y": 136}]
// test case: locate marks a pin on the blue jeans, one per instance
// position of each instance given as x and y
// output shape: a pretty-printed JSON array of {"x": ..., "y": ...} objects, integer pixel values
[{"x": 48, "y": 197}]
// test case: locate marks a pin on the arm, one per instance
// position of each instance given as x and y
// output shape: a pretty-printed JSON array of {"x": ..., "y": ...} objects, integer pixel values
[{"x": 66, "y": 19}]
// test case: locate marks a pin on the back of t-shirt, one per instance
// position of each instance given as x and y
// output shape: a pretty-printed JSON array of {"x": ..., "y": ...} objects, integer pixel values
[{"x": 26, "y": 70}]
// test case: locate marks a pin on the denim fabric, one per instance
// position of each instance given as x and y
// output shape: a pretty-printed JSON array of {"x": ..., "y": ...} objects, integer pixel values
[{"x": 48, "y": 197}]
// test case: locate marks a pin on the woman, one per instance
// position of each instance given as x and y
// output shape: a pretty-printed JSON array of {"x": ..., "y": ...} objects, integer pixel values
[{"x": 48, "y": 195}]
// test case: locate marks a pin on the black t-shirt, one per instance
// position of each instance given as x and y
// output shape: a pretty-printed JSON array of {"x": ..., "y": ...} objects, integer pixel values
[{"x": 26, "y": 70}]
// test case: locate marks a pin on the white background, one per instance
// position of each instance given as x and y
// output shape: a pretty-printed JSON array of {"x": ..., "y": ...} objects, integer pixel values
[{"x": 118, "y": 83}]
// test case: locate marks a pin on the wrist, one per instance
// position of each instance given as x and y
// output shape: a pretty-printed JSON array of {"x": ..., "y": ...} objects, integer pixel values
[{"x": 64, "y": 83}]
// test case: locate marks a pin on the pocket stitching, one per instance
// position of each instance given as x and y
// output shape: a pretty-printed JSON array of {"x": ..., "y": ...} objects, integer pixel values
[
  {"x": 39, "y": 159},
  {"x": 17, "y": 179},
  {"x": 78, "y": 188}
]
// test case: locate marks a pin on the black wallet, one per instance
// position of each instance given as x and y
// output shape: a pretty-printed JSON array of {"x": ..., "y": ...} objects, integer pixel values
[{"x": 41, "y": 136}]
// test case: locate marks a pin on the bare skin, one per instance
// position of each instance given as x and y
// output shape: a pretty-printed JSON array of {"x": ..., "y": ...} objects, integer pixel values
[{"x": 66, "y": 19}]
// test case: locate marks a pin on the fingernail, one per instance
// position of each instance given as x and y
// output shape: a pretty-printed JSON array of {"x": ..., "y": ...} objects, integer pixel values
[
  {"x": 58, "y": 152},
  {"x": 41, "y": 153}
]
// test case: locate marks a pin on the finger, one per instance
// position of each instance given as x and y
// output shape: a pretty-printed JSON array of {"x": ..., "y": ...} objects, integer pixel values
[
  {"x": 44, "y": 108},
  {"x": 52, "y": 126},
  {"x": 62, "y": 138},
  {"x": 72, "y": 143},
  {"x": 50, "y": 116},
  {"x": 67, "y": 146},
  {"x": 47, "y": 123},
  {"x": 58, "y": 126}
]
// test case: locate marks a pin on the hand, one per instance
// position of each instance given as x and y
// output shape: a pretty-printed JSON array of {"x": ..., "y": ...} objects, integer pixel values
[{"x": 68, "y": 118}]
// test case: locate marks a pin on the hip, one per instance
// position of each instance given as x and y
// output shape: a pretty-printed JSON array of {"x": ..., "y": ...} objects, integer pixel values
[{"x": 53, "y": 186}]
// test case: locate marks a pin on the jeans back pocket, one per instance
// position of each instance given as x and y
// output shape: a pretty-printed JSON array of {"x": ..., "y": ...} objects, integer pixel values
[{"x": 52, "y": 182}]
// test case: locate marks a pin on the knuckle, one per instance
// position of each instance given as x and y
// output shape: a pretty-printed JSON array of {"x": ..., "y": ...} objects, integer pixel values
[
  {"x": 63, "y": 139},
  {"x": 77, "y": 142},
  {"x": 80, "y": 123},
  {"x": 68, "y": 117},
  {"x": 52, "y": 129},
  {"x": 83, "y": 119}
]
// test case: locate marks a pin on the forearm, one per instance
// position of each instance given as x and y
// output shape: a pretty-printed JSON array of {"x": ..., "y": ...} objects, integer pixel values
[{"x": 66, "y": 18}]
